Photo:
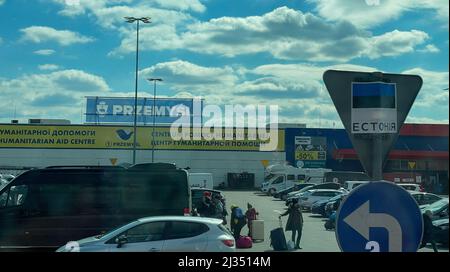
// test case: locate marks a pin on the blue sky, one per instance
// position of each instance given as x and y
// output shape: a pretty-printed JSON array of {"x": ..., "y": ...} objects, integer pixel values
[{"x": 53, "y": 53}]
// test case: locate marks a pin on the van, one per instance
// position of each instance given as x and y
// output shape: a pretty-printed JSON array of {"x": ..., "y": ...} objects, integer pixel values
[
  {"x": 48, "y": 207},
  {"x": 201, "y": 180},
  {"x": 352, "y": 184},
  {"x": 343, "y": 176},
  {"x": 282, "y": 177}
]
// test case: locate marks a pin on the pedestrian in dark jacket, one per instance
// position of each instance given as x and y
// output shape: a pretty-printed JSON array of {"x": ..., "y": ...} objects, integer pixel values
[
  {"x": 250, "y": 214},
  {"x": 295, "y": 221},
  {"x": 428, "y": 231},
  {"x": 237, "y": 221},
  {"x": 207, "y": 207}
]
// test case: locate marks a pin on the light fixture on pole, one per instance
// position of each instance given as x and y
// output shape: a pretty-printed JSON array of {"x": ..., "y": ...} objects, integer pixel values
[
  {"x": 144, "y": 20},
  {"x": 154, "y": 114}
]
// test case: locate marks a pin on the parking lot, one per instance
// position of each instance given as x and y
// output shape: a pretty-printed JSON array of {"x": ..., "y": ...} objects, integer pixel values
[{"x": 314, "y": 238}]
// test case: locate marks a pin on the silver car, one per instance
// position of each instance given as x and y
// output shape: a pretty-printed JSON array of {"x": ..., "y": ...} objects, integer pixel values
[{"x": 162, "y": 233}]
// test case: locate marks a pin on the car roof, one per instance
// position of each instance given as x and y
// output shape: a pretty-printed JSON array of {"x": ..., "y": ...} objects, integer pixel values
[
  {"x": 413, "y": 184},
  {"x": 325, "y": 190},
  {"x": 357, "y": 181},
  {"x": 195, "y": 219}
]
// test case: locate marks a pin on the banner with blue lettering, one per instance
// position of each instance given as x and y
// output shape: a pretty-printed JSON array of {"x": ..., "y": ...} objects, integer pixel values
[{"x": 121, "y": 109}]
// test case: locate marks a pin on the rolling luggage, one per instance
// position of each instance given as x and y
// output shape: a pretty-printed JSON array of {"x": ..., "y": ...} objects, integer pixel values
[
  {"x": 277, "y": 238},
  {"x": 258, "y": 230},
  {"x": 244, "y": 242}
]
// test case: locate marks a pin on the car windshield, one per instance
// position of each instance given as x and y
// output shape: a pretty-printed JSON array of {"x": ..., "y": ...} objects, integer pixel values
[
  {"x": 307, "y": 188},
  {"x": 438, "y": 205}
]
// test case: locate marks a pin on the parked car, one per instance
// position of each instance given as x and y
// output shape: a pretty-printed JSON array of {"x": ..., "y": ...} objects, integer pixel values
[
  {"x": 439, "y": 209},
  {"x": 441, "y": 231},
  {"x": 161, "y": 234},
  {"x": 306, "y": 201},
  {"x": 411, "y": 187},
  {"x": 327, "y": 185},
  {"x": 319, "y": 206},
  {"x": 297, "y": 187},
  {"x": 294, "y": 193},
  {"x": 343, "y": 176},
  {"x": 352, "y": 184},
  {"x": 423, "y": 198},
  {"x": 333, "y": 206}
]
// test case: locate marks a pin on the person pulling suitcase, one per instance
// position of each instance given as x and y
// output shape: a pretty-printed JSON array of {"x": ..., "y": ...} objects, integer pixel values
[{"x": 295, "y": 221}]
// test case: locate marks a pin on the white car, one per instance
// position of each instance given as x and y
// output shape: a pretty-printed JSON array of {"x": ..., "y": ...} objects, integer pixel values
[
  {"x": 411, "y": 187},
  {"x": 297, "y": 193},
  {"x": 307, "y": 200},
  {"x": 160, "y": 234}
]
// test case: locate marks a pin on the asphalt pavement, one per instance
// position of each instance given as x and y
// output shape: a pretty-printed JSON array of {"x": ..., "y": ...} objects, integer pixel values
[{"x": 314, "y": 238}]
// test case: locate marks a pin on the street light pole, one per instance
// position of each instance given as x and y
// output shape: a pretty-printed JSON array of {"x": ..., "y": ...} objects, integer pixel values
[
  {"x": 154, "y": 115},
  {"x": 145, "y": 20}
]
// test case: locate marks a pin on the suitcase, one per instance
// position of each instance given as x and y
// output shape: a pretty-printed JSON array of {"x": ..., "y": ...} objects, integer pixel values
[
  {"x": 258, "y": 230},
  {"x": 329, "y": 225},
  {"x": 277, "y": 238},
  {"x": 244, "y": 242}
]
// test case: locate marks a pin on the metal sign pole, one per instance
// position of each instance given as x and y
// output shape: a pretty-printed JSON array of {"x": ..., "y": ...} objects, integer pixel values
[{"x": 377, "y": 162}]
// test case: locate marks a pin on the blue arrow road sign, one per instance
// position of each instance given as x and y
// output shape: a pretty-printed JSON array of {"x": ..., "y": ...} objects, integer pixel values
[{"x": 379, "y": 216}]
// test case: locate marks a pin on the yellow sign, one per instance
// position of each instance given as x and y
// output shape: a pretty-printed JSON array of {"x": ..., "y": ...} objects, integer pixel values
[
  {"x": 113, "y": 161},
  {"x": 265, "y": 163},
  {"x": 308, "y": 155},
  {"x": 411, "y": 165},
  {"x": 115, "y": 137}
]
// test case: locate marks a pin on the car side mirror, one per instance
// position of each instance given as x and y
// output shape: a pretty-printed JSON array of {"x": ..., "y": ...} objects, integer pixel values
[{"x": 121, "y": 240}]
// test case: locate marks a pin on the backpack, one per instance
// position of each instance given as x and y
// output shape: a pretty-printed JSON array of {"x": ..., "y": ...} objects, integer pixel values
[{"x": 239, "y": 213}]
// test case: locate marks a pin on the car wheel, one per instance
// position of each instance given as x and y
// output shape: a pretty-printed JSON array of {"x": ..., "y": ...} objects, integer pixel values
[{"x": 272, "y": 191}]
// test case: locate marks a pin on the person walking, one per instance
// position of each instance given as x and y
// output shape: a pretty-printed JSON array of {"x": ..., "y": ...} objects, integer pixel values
[
  {"x": 428, "y": 231},
  {"x": 295, "y": 221},
  {"x": 207, "y": 208},
  {"x": 251, "y": 215},
  {"x": 218, "y": 207},
  {"x": 237, "y": 221}
]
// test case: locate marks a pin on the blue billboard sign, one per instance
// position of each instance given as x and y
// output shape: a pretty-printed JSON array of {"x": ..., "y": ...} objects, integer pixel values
[{"x": 121, "y": 109}]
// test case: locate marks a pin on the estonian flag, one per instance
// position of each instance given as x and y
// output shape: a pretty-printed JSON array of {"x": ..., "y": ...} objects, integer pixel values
[{"x": 373, "y": 95}]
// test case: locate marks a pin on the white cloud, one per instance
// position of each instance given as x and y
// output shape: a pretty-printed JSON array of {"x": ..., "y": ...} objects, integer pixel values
[
  {"x": 110, "y": 13},
  {"x": 194, "y": 5},
  {"x": 40, "y": 34},
  {"x": 2, "y": 2},
  {"x": 369, "y": 13},
  {"x": 57, "y": 94},
  {"x": 48, "y": 67},
  {"x": 432, "y": 103},
  {"x": 181, "y": 73},
  {"x": 395, "y": 43},
  {"x": 425, "y": 120},
  {"x": 297, "y": 89},
  {"x": 45, "y": 52},
  {"x": 284, "y": 33},
  {"x": 430, "y": 48}
]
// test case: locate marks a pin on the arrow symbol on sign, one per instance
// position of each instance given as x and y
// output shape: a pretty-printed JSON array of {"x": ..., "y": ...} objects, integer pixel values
[{"x": 362, "y": 220}]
